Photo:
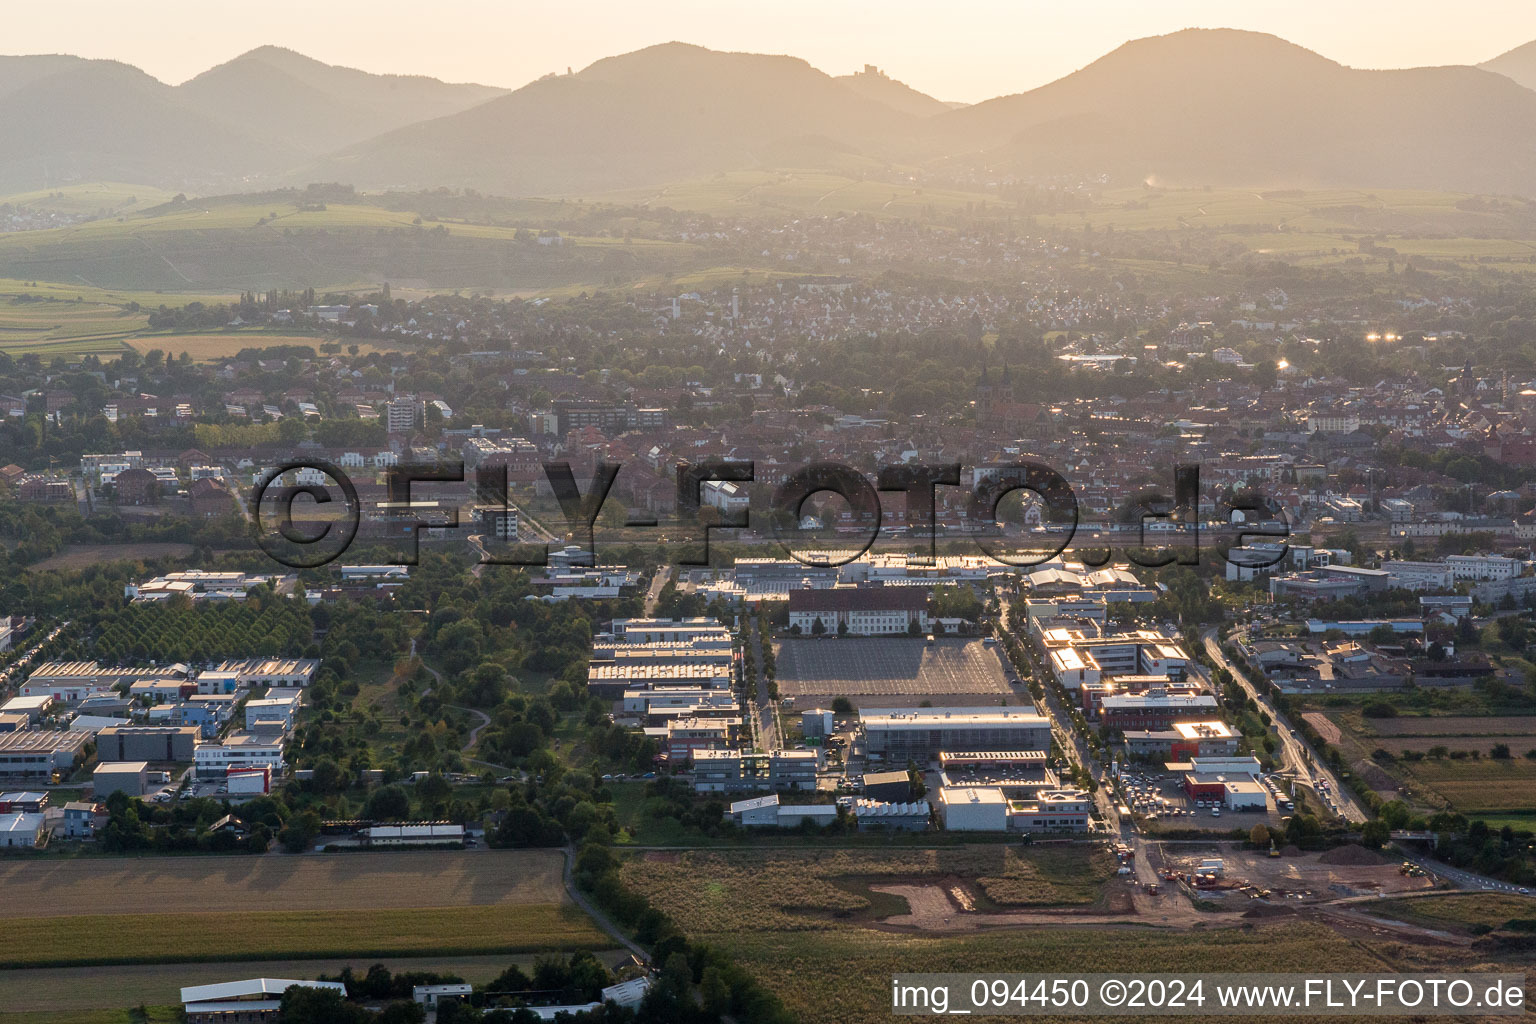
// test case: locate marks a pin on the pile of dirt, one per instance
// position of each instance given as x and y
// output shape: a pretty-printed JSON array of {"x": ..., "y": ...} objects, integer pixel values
[
  {"x": 1290, "y": 851},
  {"x": 1352, "y": 856},
  {"x": 1269, "y": 910}
]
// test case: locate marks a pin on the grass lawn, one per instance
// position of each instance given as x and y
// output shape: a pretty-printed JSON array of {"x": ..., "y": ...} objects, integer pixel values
[{"x": 152, "y": 1015}]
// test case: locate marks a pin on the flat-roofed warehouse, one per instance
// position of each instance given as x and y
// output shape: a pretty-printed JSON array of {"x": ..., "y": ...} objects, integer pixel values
[
  {"x": 130, "y": 777},
  {"x": 891, "y": 671},
  {"x": 147, "y": 743},
  {"x": 610, "y": 681},
  {"x": 287, "y": 672},
  {"x": 37, "y": 753},
  {"x": 921, "y": 734}
]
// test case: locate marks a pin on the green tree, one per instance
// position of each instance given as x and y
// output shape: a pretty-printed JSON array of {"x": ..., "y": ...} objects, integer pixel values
[
  {"x": 1375, "y": 834},
  {"x": 388, "y": 803}
]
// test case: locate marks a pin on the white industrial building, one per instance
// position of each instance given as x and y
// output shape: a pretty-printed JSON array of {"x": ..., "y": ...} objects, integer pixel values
[
  {"x": 973, "y": 809},
  {"x": 254, "y": 1000},
  {"x": 20, "y": 830}
]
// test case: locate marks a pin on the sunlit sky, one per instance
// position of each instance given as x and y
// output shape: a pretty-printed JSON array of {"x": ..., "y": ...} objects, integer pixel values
[{"x": 955, "y": 49}]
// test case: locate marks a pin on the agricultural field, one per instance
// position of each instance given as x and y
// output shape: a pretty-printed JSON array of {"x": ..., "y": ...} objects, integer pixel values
[
  {"x": 91, "y": 939},
  {"x": 185, "y": 885},
  {"x": 745, "y": 193},
  {"x": 150, "y": 910},
  {"x": 238, "y": 243},
  {"x": 1453, "y": 725},
  {"x": 1441, "y": 758},
  {"x": 65, "y": 327},
  {"x": 814, "y": 890},
  {"x": 206, "y": 348},
  {"x": 97, "y": 199},
  {"x": 1478, "y": 787},
  {"x": 82, "y": 556}
]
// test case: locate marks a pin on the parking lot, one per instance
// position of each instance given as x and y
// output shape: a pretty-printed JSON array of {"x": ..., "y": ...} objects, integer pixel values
[
  {"x": 1158, "y": 799},
  {"x": 901, "y": 671}
]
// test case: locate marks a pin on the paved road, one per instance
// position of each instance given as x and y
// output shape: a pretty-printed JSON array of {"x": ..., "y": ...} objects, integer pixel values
[
  {"x": 764, "y": 707},
  {"x": 653, "y": 594},
  {"x": 1297, "y": 755},
  {"x": 1066, "y": 734},
  {"x": 1465, "y": 879},
  {"x": 32, "y": 647}
]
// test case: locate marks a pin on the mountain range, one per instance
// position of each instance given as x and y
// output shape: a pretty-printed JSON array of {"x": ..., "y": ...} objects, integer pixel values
[{"x": 1201, "y": 106}]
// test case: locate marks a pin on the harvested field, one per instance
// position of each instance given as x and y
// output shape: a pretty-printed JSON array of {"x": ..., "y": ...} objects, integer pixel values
[
  {"x": 1518, "y": 744},
  {"x": 82, "y": 556},
  {"x": 1453, "y": 725},
  {"x": 899, "y": 670},
  {"x": 153, "y": 938},
  {"x": 1324, "y": 726},
  {"x": 1473, "y": 787},
  {"x": 191, "y": 885},
  {"x": 205, "y": 348}
]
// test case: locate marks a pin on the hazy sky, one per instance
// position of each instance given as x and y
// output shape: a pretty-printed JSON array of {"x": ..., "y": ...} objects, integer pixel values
[{"x": 955, "y": 49}]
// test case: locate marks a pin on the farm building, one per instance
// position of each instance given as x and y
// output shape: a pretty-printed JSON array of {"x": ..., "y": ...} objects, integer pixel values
[
  {"x": 433, "y": 833},
  {"x": 428, "y": 995},
  {"x": 248, "y": 1002}
]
